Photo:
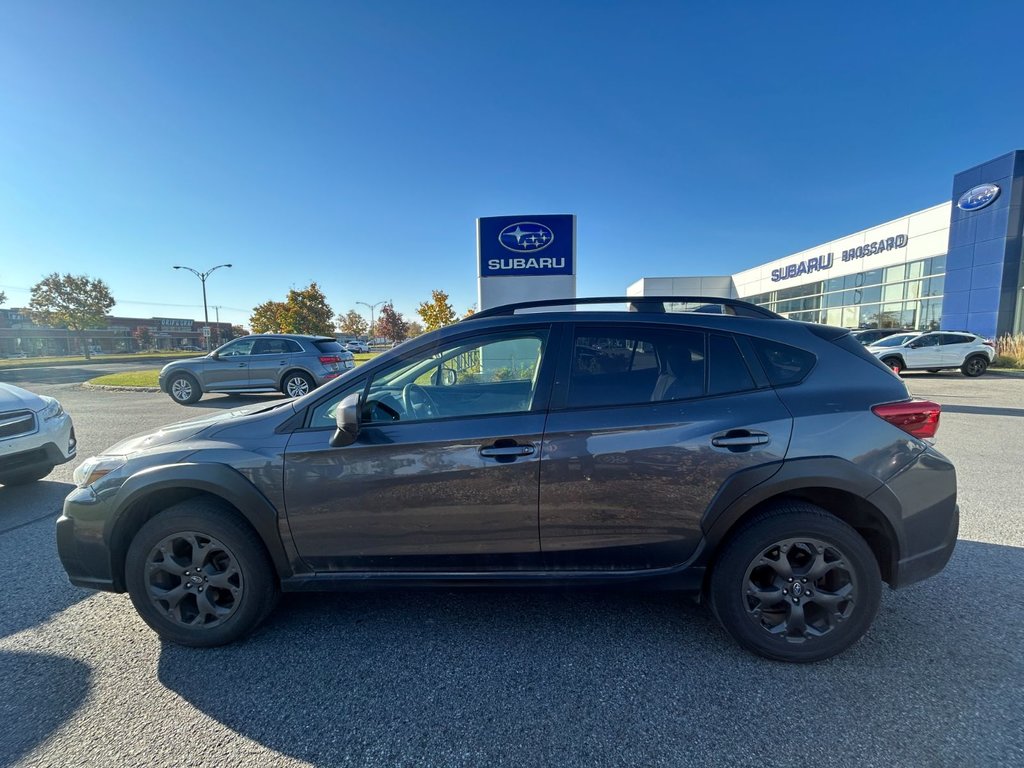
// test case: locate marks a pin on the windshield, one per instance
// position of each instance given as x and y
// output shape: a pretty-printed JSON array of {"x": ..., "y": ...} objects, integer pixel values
[{"x": 895, "y": 341}]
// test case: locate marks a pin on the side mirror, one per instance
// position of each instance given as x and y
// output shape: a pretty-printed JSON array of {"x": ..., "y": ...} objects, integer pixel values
[
  {"x": 213, "y": 354},
  {"x": 448, "y": 376},
  {"x": 346, "y": 417}
]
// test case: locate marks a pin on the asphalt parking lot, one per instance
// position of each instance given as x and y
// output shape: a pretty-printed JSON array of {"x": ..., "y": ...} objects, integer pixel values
[{"x": 514, "y": 677}]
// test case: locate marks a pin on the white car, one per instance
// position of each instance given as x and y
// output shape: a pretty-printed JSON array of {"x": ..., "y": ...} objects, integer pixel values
[
  {"x": 934, "y": 351},
  {"x": 354, "y": 345},
  {"x": 35, "y": 435}
]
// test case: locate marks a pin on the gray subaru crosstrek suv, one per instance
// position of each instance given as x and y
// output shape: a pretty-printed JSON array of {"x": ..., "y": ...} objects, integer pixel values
[
  {"x": 772, "y": 468},
  {"x": 272, "y": 362}
]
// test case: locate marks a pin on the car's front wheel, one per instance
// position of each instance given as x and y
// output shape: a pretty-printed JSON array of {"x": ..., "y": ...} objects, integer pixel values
[
  {"x": 199, "y": 575},
  {"x": 974, "y": 366},
  {"x": 895, "y": 364},
  {"x": 184, "y": 388},
  {"x": 796, "y": 584}
]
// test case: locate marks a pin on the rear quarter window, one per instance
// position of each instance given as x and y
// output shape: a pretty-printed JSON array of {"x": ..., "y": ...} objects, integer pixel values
[{"x": 782, "y": 363}]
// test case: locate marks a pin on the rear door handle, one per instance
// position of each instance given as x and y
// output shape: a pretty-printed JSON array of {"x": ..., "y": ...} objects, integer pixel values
[
  {"x": 739, "y": 438},
  {"x": 507, "y": 451}
]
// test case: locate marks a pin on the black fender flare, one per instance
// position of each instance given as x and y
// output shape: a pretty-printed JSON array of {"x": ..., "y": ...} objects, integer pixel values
[
  {"x": 746, "y": 490},
  {"x": 218, "y": 480}
]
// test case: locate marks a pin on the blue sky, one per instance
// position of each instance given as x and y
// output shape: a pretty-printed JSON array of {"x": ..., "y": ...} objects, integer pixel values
[{"x": 355, "y": 143}]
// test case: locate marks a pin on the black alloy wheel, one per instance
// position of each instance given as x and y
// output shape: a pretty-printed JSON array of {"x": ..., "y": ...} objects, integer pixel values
[
  {"x": 974, "y": 366},
  {"x": 796, "y": 584},
  {"x": 199, "y": 575},
  {"x": 895, "y": 364}
]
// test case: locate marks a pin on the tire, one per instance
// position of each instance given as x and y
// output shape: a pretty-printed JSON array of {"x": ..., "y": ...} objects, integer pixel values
[
  {"x": 26, "y": 476},
  {"x": 184, "y": 389},
  {"x": 199, "y": 575},
  {"x": 974, "y": 366},
  {"x": 896, "y": 364},
  {"x": 752, "y": 597},
  {"x": 297, "y": 384}
]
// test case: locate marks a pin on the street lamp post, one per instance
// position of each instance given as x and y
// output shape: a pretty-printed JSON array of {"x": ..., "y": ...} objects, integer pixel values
[
  {"x": 202, "y": 278},
  {"x": 372, "y": 307}
]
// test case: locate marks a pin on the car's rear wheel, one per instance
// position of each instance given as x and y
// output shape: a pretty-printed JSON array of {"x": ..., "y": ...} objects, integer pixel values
[
  {"x": 184, "y": 388},
  {"x": 199, "y": 575},
  {"x": 297, "y": 384},
  {"x": 974, "y": 366},
  {"x": 796, "y": 584},
  {"x": 895, "y": 363},
  {"x": 26, "y": 476}
]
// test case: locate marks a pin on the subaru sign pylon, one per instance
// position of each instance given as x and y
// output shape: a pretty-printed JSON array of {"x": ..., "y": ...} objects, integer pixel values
[{"x": 521, "y": 258}]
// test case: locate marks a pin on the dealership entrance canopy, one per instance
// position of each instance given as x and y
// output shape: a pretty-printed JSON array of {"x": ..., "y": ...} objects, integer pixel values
[{"x": 956, "y": 265}]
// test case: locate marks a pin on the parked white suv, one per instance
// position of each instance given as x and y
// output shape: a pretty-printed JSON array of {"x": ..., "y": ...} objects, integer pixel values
[
  {"x": 935, "y": 351},
  {"x": 35, "y": 435}
]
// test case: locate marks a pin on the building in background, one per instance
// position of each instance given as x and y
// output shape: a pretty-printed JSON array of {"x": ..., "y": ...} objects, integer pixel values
[
  {"x": 19, "y": 335},
  {"x": 956, "y": 265}
]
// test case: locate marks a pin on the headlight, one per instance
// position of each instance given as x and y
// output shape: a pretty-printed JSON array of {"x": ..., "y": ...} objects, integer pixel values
[
  {"x": 52, "y": 410},
  {"x": 95, "y": 468}
]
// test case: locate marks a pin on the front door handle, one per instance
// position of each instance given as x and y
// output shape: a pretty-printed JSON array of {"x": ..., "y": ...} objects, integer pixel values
[
  {"x": 739, "y": 438},
  {"x": 241, "y": 365},
  {"x": 506, "y": 451}
]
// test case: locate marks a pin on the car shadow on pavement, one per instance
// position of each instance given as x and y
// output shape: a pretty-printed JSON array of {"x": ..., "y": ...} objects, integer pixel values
[
  {"x": 40, "y": 693},
  {"x": 24, "y": 504},
  {"x": 516, "y": 677},
  {"x": 235, "y": 401}
]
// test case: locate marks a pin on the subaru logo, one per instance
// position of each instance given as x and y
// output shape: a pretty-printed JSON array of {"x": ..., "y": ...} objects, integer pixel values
[
  {"x": 977, "y": 197},
  {"x": 526, "y": 237}
]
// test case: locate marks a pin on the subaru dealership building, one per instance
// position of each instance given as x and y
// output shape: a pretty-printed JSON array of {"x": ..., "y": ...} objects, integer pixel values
[{"x": 956, "y": 265}]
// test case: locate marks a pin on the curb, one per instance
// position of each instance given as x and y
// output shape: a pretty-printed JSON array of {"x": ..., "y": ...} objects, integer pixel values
[
  {"x": 111, "y": 388},
  {"x": 1010, "y": 373}
]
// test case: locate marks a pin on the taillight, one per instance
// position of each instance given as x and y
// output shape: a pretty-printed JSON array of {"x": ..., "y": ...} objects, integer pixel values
[
  {"x": 325, "y": 359},
  {"x": 919, "y": 418}
]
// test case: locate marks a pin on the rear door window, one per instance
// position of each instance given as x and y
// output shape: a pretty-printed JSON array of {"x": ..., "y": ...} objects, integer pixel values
[
  {"x": 632, "y": 364},
  {"x": 727, "y": 371}
]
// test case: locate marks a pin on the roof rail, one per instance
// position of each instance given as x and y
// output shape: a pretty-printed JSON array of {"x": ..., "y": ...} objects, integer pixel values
[{"x": 639, "y": 304}]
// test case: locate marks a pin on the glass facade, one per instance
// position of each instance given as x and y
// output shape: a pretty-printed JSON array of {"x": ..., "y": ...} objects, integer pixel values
[{"x": 904, "y": 296}]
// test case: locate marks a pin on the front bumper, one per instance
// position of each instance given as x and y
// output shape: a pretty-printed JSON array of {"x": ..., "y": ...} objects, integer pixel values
[
  {"x": 51, "y": 444},
  {"x": 82, "y": 544}
]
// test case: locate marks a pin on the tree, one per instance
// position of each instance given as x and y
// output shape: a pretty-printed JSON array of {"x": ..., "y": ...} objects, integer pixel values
[
  {"x": 237, "y": 331},
  {"x": 268, "y": 317},
  {"x": 352, "y": 323},
  {"x": 3, "y": 297},
  {"x": 143, "y": 338},
  {"x": 308, "y": 312},
  {"x": 390, "y": 324},
  {"x": 413, "y": 329},
  {"x": 437, "y": 312},
  {"x": 470, "y": 312},
  {"x": 305, "y": 311},
  {"x": 76, "y": 302}
]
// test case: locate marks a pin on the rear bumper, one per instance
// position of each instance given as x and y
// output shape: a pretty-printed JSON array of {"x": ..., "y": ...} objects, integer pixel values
[{"x": 929, "y": 519}]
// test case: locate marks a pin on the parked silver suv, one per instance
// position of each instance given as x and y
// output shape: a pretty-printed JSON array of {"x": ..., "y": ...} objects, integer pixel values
[{"x": 290, "y": 363}]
